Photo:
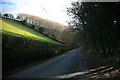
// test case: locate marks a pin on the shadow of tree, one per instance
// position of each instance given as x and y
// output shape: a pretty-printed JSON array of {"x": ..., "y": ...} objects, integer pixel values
[{"x": 100, "y": 73}]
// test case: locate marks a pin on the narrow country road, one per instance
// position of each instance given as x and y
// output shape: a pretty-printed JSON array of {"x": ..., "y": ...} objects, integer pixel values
[{"x": 72, "y": 64}]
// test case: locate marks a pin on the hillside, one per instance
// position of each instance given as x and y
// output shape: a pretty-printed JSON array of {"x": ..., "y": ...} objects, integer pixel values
[
  {"x": 23, "y": 46},
  {"x": 14, "y": 28},
  {"x": 47, "y": 27}
]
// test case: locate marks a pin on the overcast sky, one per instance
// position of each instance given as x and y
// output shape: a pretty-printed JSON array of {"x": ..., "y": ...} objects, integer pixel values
[{"x": 54, "y": 10}]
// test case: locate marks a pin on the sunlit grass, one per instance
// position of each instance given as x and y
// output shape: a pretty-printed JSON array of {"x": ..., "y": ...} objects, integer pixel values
[{"x": 15, "y": 28}]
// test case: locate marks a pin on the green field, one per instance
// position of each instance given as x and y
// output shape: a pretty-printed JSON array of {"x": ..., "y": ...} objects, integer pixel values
[{"x": 14, "y": 28}]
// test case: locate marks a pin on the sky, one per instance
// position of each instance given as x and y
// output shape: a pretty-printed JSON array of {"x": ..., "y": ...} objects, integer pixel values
[{"x": 54, "y": 10}]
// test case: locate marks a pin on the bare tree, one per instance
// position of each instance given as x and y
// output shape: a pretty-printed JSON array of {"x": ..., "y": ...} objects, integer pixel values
[
  {"x": 0, "y": 14},
  {"x": 11, "y": 16}
]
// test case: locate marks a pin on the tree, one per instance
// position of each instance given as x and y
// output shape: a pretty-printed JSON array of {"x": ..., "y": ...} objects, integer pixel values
[
  {"x": 96, "y": 24},
  {"x": 33, "y": 26},
  {"x": 0, "y": 15},
  {"x": 5, "y": 15},
  {"x": 11, "y": 16},
  {"x": 41, "y": 29},
  {"x": 18, "y": 17}
]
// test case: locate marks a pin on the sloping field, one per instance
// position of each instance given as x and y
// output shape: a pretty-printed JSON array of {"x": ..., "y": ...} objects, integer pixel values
[{"x": 14, "y": 28}]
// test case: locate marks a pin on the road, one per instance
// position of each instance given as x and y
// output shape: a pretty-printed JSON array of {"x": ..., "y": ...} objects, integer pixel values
[{"x": 72, "y": 64}]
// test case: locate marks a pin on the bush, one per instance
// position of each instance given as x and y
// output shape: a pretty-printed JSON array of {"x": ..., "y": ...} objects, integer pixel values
[
  {"x": 41, "y": 29},
  {"x": 33, "y": 26}
]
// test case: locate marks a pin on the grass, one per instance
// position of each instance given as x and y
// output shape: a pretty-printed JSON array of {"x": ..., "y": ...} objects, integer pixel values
[{"x": 14, "y": 28}]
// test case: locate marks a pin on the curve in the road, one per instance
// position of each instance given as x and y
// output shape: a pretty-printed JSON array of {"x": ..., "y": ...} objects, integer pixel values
[{"x": 72, "y": 64}]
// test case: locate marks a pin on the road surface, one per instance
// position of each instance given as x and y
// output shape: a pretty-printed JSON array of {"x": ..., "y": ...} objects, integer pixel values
[{"x": 72, "y": 64}]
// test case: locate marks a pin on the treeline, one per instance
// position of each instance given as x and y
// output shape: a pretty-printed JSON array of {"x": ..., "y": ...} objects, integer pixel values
[
  {"x": 44, "y": 26},
  {"x": 9, "y": 16},
  {"x": 99, "y": 26},
  {"x": 54, "y": 30}
]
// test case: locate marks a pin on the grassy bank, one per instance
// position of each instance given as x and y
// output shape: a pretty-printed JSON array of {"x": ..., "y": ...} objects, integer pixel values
[
  {"x": 18, "y": 52},
  {"x": 15, "y": 28},
  {"x": 22, "y": 46}
]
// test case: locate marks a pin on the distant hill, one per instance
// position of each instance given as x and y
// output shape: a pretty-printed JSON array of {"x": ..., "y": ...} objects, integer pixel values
[{"x": 49, "y": 28}]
